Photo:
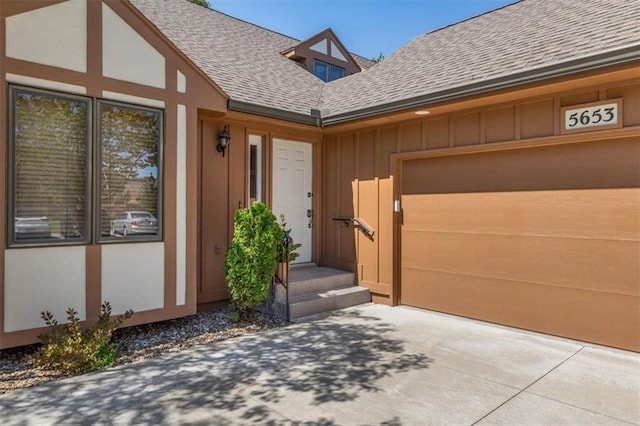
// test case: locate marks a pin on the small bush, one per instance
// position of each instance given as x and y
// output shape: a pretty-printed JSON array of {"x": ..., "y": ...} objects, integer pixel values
[
  {"x": 251, "y": 260},
  {"x": 71, "y": 350}
]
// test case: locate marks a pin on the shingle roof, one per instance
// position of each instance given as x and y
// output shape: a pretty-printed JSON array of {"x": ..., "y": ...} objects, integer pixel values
[
  {"x": 362, "y": 61},
  {"x": 242, "y": 58},
  {"x": 515, "y": 38},
  {"x": 245, "y": 60}
]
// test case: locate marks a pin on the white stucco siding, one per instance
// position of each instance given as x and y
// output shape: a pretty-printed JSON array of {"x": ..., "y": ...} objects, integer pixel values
[
  {"x": 181, "y": 82},
  {"x": 127, "y": 56},
  {"x": 133, "y": 276},
  {"x": 41, "y": 279},
  {"x": 55, "y": 35},
  {"x": 123, "y": 97},
  {"x": 181, "y": 206},
  {"x": 45, "y": 84}
]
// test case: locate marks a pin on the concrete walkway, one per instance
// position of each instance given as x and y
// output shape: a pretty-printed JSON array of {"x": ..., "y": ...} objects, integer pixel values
[{"x": 370, "y": 365}]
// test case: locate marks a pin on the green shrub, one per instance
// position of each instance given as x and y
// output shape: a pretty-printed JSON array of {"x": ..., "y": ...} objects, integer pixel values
[
  {"x": 251, "y": 260},
  {"x": 71, "y": 350}
]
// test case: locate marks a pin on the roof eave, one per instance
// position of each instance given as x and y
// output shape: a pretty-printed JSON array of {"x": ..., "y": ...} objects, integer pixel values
[
  {"x": 621, "y": 56},
  {"x": 254, "y": 109}
]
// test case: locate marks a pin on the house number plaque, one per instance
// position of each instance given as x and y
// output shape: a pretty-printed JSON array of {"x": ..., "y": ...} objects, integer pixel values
[{"x": 593, "y": 116}]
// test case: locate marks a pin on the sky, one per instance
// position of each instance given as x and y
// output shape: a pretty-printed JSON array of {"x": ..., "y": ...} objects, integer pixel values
[{"x": 365, "y": 27}]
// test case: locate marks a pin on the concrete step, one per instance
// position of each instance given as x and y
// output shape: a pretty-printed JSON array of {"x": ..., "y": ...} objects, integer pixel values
[
  {"x": 311, "y": 279},
  {"x": 315, "y": 289},
  {"x": 314, "y": 303}
]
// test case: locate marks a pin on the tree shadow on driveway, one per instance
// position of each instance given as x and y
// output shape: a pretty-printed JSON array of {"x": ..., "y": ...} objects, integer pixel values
[{"x": 237, "y": 381}]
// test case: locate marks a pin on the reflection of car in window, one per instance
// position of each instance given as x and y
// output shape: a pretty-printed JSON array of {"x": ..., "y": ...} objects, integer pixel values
[
  {"x": 105, "y": 225},
  {"x": 134, "y": 222},
  {"x": 32, "y": 227}
]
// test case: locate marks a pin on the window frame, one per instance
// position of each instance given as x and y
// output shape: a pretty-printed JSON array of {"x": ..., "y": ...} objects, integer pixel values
[
  {"x": 329, "y": 66},
  {"x": 326, "y": 64},
  {"x": 93, "y": 161},
  {"x": 259, "y": 144},
  {"x": 11, "y": 241},
  {"x": 335, "y": 67},
  {"x": 97, "y": 187}
]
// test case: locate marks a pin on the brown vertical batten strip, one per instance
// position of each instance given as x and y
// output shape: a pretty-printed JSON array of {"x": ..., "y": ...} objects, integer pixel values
[
  {"x": 3, "y": 166},
  {"x": 318, "y": 197},
  {"x": 93, "y": 284},
  {"x": 170, "y": 183},
  {"x": 93, "y": 253},
  {"x": 395, "y": 293},
  {"x": 94, "y": 48},
  {"x": 193, "y": 209}
]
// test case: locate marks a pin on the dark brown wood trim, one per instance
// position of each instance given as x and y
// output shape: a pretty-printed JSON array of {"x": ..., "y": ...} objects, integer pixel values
[
  {"x": 94, "y": 47},
  {"x": 16, "y": 7},
  {"x": 193, "y": 215},
  {"x": 3, "y": 174},
  {"x": 93, "y": 284}
]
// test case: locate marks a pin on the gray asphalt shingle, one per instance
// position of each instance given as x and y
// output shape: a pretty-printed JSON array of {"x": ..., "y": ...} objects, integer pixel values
[
  {"x": 515, "y": 38},
  {"x": 245, "y": 60},
  {"x": 242, "y": 58}
]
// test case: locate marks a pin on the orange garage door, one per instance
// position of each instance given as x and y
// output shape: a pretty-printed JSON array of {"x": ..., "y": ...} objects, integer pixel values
[{"x": 546, "y": 239}]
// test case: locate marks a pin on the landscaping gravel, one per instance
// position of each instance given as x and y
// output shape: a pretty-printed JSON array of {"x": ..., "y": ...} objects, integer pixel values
[{"x": 138, "y": 343}]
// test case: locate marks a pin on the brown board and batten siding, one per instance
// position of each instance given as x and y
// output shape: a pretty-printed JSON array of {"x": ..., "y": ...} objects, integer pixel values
[
  {"x": 545, "y": 238},
  {"x": 224, "y": 187}
]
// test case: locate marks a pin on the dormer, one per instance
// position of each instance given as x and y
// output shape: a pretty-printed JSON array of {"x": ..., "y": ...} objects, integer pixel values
[{"x": 324, "y": 56}]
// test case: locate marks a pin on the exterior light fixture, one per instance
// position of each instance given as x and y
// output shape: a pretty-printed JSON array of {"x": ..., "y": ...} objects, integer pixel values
[
  {"x": 223, "y": 140},
  {"x": 422, "y": 112}
]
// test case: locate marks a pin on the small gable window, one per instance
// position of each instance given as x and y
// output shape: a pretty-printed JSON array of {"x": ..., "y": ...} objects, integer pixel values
[{"x": 327, "y": 72}]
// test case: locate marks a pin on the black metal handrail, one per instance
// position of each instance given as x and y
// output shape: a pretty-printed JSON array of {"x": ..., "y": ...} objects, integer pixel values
[
  {"x": 357, "y": 223},
  {"x": 284, "y": 282}
]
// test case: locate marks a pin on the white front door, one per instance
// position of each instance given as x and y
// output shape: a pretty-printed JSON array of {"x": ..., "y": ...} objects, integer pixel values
[{"x": 292, "y": 191}]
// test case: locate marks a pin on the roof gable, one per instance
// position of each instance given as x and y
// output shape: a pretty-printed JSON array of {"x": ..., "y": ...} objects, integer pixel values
[
  {"x": 326, "y": 47},
  {"x": 527, "y": 41},
  {"x": 242, "y": 58}
]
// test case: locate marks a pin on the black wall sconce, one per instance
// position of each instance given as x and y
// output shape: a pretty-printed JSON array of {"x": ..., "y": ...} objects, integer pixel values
[{"x": 223, "y": 140}]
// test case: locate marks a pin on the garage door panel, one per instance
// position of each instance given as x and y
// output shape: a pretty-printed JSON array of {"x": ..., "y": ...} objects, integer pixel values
[
  {"x": 596, "y": 265},
  {"x": 605, "y": 318},
  {"x": 603, "y": 165},
  {"x": 604, "y": 214}
]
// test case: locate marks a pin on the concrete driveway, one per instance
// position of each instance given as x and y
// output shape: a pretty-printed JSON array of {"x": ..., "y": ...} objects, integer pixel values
[{"x": 369, "y": 365}]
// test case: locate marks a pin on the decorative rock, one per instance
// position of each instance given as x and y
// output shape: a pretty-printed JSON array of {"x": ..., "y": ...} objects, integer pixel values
[{"x": 138, "y": 343}]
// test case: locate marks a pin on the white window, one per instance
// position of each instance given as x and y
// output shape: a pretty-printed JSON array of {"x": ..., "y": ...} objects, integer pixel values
[{"x": 255, "y": 169}]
